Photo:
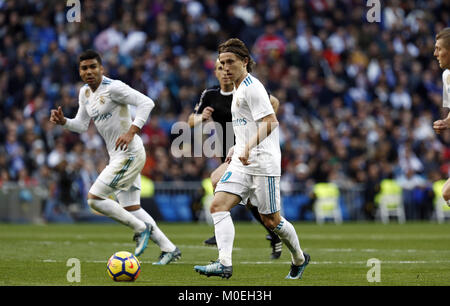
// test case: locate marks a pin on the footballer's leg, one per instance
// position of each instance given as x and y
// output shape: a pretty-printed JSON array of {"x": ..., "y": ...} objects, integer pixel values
[
  {"x": 275, "y": 241},
  {"x": 286, "y": 231},
  {"x": 224, "y": 230},
  {"x": 215, "y": 177},
  {"x": 130, "y": 201},
  {"x": 267, "y": 199},
  {"x": 103, "y": 204},
  {"x": 98, "y": 199}
]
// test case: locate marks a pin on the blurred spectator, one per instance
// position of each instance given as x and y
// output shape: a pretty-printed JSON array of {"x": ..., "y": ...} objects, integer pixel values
[
  {"x": 357, "y": 99},
  {"x": 269, "y": 46}
]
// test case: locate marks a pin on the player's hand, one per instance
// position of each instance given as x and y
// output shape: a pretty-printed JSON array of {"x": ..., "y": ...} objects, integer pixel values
[
  {"x": 124, "y": 140},
  {"x": 207, "y": 112},
  {"x": 245, "y": 156},
  {"x": 439, "y": 126},
  {"x": 57, "y": 116},
  {"x": 229, "y": 155}
]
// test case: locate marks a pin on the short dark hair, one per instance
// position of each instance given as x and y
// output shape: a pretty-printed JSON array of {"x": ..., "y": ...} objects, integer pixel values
[
  {"x": 89, "y": 54},
  {"x": 237, "y": 46}
]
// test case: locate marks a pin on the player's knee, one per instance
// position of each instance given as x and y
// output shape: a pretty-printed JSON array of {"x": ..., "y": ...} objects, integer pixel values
[
  {"x": 271, "y": 221},
  {"x": 92, "y": 200},
  {"x": 132, "y": 207},
  {"x": 267, "y": 222},
  {"x": 217, "y": 206},
  {"x": 223, "y": 201},
  {"x": 93, "y": 197},
  {"x": 91, "y": 203}
]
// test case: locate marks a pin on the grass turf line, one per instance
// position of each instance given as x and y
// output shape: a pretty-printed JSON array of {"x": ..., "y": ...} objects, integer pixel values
[{"x": 411, "y": 254}]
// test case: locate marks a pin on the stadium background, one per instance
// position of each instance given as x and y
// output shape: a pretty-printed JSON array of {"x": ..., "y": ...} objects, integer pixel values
[{"x": 357, "y": 98}]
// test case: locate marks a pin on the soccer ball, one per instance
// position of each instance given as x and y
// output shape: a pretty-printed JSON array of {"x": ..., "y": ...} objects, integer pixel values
[{"x": 123, "y": 267}]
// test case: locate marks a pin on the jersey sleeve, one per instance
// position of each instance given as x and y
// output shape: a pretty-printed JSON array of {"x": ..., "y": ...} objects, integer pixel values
[
  {"x": 258, "y": 101},
  {"x": 81, "y": 121},
  {"x": 124, "y": 94},
  {"x": 203, "y": 102},
  {"x": 445, "y": 86}
]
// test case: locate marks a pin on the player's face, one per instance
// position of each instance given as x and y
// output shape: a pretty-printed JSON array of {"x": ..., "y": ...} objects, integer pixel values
[
  {"x": 442, "y": 54},
  {"x": 91, "y": 72},
  {"x": 233, "y": 66},
  {"x": 221, "y": 75}
]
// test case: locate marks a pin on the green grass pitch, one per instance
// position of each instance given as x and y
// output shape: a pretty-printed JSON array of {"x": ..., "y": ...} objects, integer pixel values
[{"x": 410, "y": 254}]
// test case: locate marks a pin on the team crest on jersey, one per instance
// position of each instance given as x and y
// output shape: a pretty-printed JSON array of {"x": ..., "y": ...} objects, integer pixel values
[
  {"x": 448, "y": 79},
  {"x": 102, "y": 100},
  {"x": 87, "y": 93}
]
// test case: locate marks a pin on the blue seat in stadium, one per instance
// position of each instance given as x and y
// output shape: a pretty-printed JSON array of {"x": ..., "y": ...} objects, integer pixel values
[
  {"x": 165, "y": 206},
  {"x": 292, "y": 204},
  {"x": 182, "y": 205},
  {"x": 344, "y": 209},
  {"x": 174, "y": 207},
  {"x": 290, "y": 209}
]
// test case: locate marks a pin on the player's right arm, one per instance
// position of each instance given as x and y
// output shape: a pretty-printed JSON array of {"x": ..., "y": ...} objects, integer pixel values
[
  {"x": 57, "y": 116},
  {"x": 78, "y": 124}
]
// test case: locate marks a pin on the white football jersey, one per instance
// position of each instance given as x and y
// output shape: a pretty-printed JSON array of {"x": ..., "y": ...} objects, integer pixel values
[
  {"x": 446, "y": 88},
  {"x": 250, "y": 104},
  {"x": 108, "y": 107}
]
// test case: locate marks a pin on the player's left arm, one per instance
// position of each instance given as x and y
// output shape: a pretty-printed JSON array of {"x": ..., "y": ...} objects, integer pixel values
[
  {"x": 265, "y": 126},
  {"x": 442, "y": 124},
  {"x": 275, "y": 103},
  {"x": 263, "y": 112},
  {"x": 122, "y": 93}
]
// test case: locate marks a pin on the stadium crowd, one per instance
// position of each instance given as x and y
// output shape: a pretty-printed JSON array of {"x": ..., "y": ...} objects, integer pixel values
[{"x": 357, "y": 98}]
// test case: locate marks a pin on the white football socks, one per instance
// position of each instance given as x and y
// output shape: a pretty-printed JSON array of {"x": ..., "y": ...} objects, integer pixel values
[
  {"x": 224, "y": 230},
  {"x": 286, "y": 231},
  {"x": 157, "y": 235},
  {"x": 113, "y": 210}
]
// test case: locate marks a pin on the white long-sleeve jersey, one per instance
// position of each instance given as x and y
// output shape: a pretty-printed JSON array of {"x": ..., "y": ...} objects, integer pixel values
[{"x": 107, "y": 106}]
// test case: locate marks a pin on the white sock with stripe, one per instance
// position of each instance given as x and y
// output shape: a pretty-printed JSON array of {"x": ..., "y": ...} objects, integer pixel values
[
  {"x": 157, "y": 235},
  {"x": 113, "y": 210},
  {"x": 286, "y": 231},
  {"x": 224, "y": 230}
]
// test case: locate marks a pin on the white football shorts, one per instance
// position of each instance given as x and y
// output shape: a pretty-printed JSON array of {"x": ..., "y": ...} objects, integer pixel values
[
  {"x": 122, "y": 177},
  {"x": 262, "y": 191}
]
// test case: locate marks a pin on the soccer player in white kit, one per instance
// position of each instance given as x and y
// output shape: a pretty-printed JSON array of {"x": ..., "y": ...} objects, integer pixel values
[
  {"x": 255, "y": 168},
  {"x": 442, "y": 54},
  {"x": 105, "y": 101}
]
